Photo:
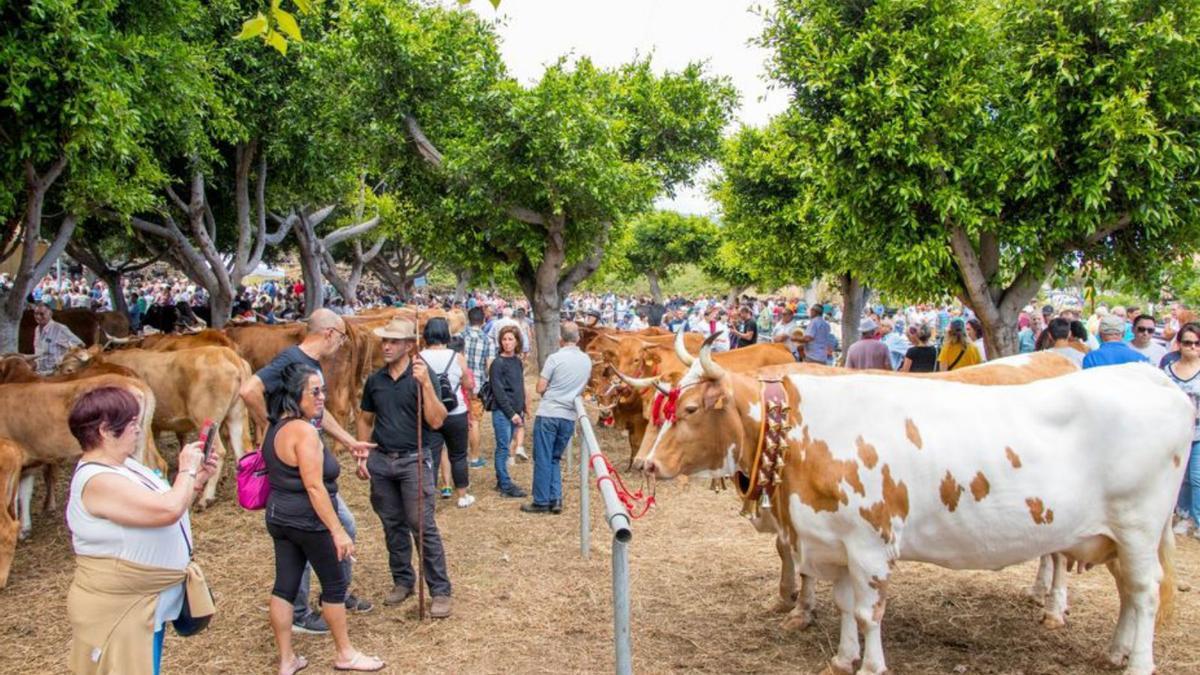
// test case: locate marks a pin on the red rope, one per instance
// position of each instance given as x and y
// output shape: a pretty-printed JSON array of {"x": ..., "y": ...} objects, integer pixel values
[{"x": 631, "y": 500}]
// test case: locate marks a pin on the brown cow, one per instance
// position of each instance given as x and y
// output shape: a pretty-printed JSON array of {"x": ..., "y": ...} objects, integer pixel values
[
  {"x": 84, "y": 323},
  {"x": 173, "y": 342},
  {"x": 191, "y": 386},
  {"x": 115, "y": 324},
  {"x": 37, "y": 419},
  {"x": 11, "y": 457}
]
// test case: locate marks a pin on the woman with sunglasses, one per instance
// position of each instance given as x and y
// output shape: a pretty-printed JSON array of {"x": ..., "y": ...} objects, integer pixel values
[
  {"x": 303, "y": 522},
  {"x": 1185, "y": 372}
]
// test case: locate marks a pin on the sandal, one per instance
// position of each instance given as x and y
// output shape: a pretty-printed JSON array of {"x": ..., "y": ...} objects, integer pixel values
[
  {"x": 299, "y": 663},
  {"x": 356, "y": 664}
]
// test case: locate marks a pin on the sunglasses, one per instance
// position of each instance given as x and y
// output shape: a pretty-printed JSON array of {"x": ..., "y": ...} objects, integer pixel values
[
  {"x": 1189, "y": 343},
  {"x": 318, "y": 392},
  {"x": 1145, "y": 329}
]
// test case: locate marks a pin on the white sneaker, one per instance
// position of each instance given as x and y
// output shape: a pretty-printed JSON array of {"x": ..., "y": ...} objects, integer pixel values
[
  {"x": 464, "y": 502},
  {"x": 521, "y": 455},
  {"x": 1184, "y": 527}
]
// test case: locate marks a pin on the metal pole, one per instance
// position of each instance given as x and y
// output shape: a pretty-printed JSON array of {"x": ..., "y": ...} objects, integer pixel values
[
  {"x": 585, "y": 526},
  {"x": 622, "y": 644}
]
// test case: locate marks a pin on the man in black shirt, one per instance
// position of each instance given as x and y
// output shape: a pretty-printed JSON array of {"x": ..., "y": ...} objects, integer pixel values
[
  {"x": 389, "y": 419},
  {"x": 263, "y": 395},
  {"x": 744, "y": 328}
]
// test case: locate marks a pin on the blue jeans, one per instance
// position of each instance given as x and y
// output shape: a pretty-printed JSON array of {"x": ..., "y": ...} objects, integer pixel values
[
  {"x": 1189, "y": 492},
  {"x": 550, "y": 438},
  {"x": 503, "y": 427},
  {"x": 158, "y": 642},
  {"x": 301, "y": 608}
]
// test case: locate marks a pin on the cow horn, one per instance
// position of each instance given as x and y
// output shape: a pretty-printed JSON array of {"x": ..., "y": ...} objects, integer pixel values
[
  {"x": 110, "y": 340},
  {"x": 711, "y": 370},
  {"x": 681, "y": 350},
  {"x": 640, "y": 383}
]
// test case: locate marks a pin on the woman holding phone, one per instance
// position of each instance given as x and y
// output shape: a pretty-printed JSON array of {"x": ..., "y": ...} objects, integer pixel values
[
  {"x": 132, "y": 538},
  {"x": 302, "y": 521}
]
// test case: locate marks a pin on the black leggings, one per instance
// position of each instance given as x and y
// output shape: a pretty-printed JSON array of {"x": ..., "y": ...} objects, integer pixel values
[
  {"x": 296, "y": 548},
  {"x": 454, "y": 434}
]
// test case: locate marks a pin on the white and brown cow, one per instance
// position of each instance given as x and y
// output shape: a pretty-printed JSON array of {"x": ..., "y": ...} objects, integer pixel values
[
  {"x": 796, "y": 592},
  {"x": 876, "y": 469}
]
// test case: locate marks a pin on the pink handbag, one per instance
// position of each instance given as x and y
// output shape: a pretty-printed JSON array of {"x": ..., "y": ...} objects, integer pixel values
[{"x": 253, "y": 488}]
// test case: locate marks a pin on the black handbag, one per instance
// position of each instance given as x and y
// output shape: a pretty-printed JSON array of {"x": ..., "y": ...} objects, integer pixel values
[
  {"x": 187, "y": 625},
  {"x": 487, "y": 397}
]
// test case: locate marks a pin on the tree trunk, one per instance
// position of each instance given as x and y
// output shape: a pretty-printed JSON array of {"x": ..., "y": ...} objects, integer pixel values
[
  {"x": 462, "y": 278},
  {"x": 732, "y": 298},
  {"x": 116, "y": 290},
  {"x": 655, "y": 289},
  {"x": 314, "y": 291},
  {"x": 548, "y": 283},
  {"x": 32, "y": 268},
  {"x": 853, "y": 300},
  {"x": 220, "y": 306}
]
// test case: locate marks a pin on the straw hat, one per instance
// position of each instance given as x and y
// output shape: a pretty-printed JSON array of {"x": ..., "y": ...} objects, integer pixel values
[{"x": 398, "y": 329}]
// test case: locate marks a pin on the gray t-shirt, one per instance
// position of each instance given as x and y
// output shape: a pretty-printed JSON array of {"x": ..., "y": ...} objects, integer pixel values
[{"x": 567, "y": 370}]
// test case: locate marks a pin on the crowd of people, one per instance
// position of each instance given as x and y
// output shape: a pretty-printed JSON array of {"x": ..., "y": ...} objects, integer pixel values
[{"x": 419, "y": 436}]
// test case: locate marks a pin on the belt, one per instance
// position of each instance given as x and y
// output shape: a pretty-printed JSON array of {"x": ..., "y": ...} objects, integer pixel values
[{"x": 397, "y": 453}]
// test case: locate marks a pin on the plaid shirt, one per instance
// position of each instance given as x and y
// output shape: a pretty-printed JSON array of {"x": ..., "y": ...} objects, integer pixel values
[
  {"x": 51, "y": 343},
  {"x": 478, "y": 348}
]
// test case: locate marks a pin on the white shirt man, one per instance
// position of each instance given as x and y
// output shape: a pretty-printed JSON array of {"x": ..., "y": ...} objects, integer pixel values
[{"x": 51, "y": 341}]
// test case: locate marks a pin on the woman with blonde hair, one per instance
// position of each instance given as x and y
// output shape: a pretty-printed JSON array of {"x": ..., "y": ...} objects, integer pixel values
[{"x": 957, "y": 350}]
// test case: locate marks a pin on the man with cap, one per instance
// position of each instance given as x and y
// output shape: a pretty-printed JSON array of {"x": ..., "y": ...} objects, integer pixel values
[
  {"x": 390, "y": 418},
  {"x": 868, "y": 353},
  {"x": 1113, "y": 349}
]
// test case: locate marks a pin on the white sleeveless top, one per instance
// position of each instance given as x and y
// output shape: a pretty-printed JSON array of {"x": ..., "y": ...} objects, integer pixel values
[
  {"x": 151, "y": 546},
  {"x": 437, "y": 360}
]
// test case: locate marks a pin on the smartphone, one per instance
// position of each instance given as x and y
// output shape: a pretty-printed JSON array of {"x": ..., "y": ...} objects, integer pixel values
[{"x": 208, "y": 434}]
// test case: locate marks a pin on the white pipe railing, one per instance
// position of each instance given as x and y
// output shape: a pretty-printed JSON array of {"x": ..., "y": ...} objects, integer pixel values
[{"x": 619, "y": 523}]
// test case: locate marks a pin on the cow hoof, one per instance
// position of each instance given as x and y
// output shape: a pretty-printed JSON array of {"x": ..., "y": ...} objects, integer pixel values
[
  {"x": 836, "y": 667},
  {"x": 1052, "y": 622},
  {"x": 23, "y": 535},
  {"x": 795, "y": 623},
  {"x": 203, "y": 503},
  {"x": 1115, "y": 659},
  {"x": 781, "y": 606}
]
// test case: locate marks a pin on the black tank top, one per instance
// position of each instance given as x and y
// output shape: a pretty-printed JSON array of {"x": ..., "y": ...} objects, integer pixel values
[{"x": 288, "y": 503}]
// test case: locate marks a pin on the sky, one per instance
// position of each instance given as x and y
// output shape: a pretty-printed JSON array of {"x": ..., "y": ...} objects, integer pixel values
[{"x": 611, "y": 32}]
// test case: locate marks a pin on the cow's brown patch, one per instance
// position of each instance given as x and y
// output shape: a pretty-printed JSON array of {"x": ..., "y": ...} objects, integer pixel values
[
  {"x": 951, "y": 491},
  {"x": 980, "y": 486},
  {"x": 880, "y": 586},
  {"x": 817, "y": 477},
  {"x": 913, "y": 433},
  {"x": 1012, "y": 457},
  {"x": 893, "y": 505},
  {"x": 1041, "y": 515},
  {"x": 867, "y": 453}
]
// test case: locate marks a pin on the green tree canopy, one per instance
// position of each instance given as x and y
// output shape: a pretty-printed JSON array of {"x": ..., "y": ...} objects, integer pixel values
[
  {"x": 658, "y": 243},
  {"x": 978, "y": 146}
]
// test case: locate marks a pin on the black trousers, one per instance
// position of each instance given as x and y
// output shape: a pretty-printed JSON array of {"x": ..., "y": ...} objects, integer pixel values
[
  {"x": 295, "y": 548},
  {"x": 455, "y": 435},
  {"x": 394, "y": 499}
]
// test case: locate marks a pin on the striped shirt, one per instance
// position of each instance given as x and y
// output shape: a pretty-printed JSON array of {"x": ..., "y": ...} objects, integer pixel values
[{"x": 51, "y": 343}]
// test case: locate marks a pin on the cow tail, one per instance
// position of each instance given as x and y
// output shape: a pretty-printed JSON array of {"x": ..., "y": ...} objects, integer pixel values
[
  {"x": 151, "y": 456},
  {"x": 1166, "y": 587}
]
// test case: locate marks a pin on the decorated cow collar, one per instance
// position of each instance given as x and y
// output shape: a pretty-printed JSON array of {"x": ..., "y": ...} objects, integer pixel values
[{"x": 766, "y": 472}]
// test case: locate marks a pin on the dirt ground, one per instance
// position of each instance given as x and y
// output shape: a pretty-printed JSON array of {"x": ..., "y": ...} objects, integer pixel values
[{"x": 702, "y": 583}]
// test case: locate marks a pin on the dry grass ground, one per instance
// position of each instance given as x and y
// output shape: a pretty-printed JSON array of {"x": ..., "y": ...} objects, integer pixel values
[{"x": 525, "y": 601}]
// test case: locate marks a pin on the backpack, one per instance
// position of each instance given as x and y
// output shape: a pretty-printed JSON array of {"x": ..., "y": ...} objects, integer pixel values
[{"x": 441, "y": 381}]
